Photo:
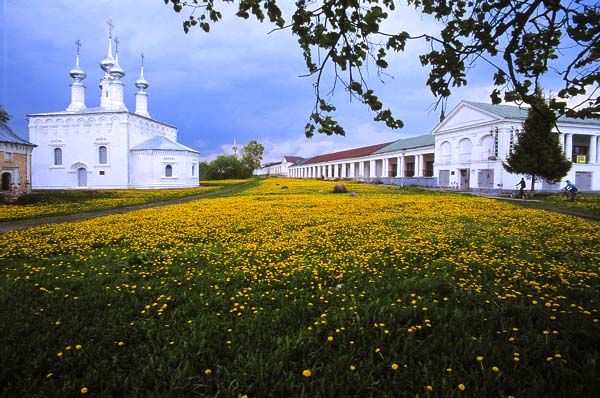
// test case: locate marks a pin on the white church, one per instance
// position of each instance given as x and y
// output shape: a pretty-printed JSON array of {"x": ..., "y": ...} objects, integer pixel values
[{"x": 108, "y": 147}]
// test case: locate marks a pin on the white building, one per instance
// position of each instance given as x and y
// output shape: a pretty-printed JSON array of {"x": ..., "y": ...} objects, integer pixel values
[
  {"x": 277, "y": 168},
  {"x": 475, "y": 138},
  {"x": 407, "y": 161},
  {"x": 108, "y": 147},
  {"x": 464, "y": 151}
]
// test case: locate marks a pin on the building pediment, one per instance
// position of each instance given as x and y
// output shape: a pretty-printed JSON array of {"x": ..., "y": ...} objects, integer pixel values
[{"x": 466, "y": 114}]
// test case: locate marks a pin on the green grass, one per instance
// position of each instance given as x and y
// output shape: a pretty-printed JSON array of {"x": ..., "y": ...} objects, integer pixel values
[
  {"x": 52, "y": 203},
  {"x": 238, "y": 295}
]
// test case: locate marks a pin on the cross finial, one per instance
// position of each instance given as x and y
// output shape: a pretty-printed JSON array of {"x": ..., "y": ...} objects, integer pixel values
[
  {"x": 116, "y": 44},
  {"x": 142, "y": 59},
  {"x": 110, "y": 27},
  {"x": 78, "y": 44}
]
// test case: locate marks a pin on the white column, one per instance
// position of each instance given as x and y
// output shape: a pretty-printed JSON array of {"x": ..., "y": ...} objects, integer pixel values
[
  {"x": 569, "y": 146},
  {"x": 401, "y": 166},
  {"x": 398, "y": 160},
  {"x": 384, "y": 167},
  {"x": 351, "y": 171},
  {"x": 418, "y": 162},
  {"x": 372, "y": 169},
  {"x": 361, "y": 169},
  {"x": 344, "y": 167},
  {"x": 593, "y": 149}
]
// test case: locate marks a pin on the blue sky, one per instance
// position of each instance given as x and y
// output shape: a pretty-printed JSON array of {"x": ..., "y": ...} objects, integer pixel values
[{"x": 238, "y": 81}]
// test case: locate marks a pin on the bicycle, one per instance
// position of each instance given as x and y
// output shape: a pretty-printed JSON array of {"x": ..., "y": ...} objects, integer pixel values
[
  {"x": 516, "y": 194},
  {"x": 565, "y": 194}
]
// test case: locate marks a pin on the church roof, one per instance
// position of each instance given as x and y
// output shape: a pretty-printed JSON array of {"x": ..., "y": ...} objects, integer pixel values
[
  {"x": 408, "y": 143},
  {"x": 161, "y": 143},
  {"x": 520, "y": 112},
  {"x": 7, "y": 135},
  {"x": 347, "y": 154}
]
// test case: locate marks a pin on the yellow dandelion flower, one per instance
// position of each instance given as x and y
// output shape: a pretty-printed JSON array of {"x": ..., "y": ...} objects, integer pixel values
[
  {"x": 495, "y": 369},
  {"x": 329, "y": 338},
  {"x": 429, "y": 388},
  {"x": 78, "y": 347},
  {"x": 479, "y": 358},
  {"x": 84, "y": 390},
  {"x": 306, "y": 373},
  {"x": 395, "y": 366},
  {"x": 461, "y": 387},
  {"x": 352, "y": 368},
  {"x": 207, "y": 371}
]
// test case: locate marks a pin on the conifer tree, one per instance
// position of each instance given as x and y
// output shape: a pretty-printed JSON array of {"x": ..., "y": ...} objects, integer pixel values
[{"x": 537, "y": 152}]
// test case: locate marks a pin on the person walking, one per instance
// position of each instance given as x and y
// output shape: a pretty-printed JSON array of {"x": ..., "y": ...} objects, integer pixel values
[{"x": 521, "y": 185}]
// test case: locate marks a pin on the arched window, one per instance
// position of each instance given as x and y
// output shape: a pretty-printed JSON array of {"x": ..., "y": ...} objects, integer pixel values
[
  {"x": 102, "y": 155},
  {"x": 193, "y": 170},
  {"x": 168, "y": 171},
  {"x": 58, "y": 156}
]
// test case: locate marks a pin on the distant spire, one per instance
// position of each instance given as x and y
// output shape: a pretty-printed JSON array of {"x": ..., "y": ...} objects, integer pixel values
[{"x": 234, "y": 148}]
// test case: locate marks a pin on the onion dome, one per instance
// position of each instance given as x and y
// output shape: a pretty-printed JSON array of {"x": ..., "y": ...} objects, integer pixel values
[
  {"x": 108, "y": 61},
  {"x": 77, "y": 73},
  {"x": 116, "y": 71},
  {"x": 142, "y": 83}
]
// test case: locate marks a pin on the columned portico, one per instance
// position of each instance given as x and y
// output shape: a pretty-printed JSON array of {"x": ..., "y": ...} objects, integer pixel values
[{"x": 569, "y": 146}]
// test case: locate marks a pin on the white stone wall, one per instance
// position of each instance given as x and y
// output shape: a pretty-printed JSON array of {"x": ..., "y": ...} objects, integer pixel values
[
  {"x": 79, "y": 136},
  {"x": 141, "y": 129},
  {"x": 148, "y": 169}
]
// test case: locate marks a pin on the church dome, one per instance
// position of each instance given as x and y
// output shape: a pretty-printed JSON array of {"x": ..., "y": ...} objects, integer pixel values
[
  {"x": 116, "y": 70},
  {"x": 141, "y": 83},
  {"x": 107, "y": 63},
  {"x": 77, "y": 73}
]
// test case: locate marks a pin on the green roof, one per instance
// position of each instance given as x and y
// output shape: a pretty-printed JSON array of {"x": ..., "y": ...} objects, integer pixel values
[
  {"x": 518, "y": 112},
  {"x": 408, "y": 143}
]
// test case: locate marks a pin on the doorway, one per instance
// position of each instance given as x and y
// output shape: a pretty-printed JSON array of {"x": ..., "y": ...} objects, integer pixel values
[
  {"x": 81, "y": 177},
  {"x": 464, "y": 179},
  {"x": 6, "y": 181}
]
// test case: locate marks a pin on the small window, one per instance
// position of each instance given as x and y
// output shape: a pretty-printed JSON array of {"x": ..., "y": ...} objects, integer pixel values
[
  {"x": 101, "y": 172},
  {"x": 168, "y": 171},
  {"x": 8, "y": 156},
  {"x": 58, "y": 157},
  {"x": 102, "y": 155},
  {"x": 193, "y": 170}
]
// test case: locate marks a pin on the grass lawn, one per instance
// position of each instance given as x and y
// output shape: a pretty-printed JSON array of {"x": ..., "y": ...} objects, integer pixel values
[
  {"x": 288, "y": 290},
  {"x": 50, "y": 203}
]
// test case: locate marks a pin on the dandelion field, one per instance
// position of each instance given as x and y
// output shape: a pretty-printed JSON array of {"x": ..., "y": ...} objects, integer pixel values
[
  {"x": 50, "y": 203},
  {"x": 288, "y": 290}
]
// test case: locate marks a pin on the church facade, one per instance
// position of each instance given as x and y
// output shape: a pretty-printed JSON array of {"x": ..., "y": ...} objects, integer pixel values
[{"x": 108, "y": 147}]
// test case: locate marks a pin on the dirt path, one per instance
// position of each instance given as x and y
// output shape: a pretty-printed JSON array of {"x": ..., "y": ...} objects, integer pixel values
[
  {"x": 539, "y": 205},
  {"x": 13, "y": 225}
]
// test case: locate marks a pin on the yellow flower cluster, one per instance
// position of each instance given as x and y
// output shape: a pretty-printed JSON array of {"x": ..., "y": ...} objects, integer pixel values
[
  {"x": 294, "y": 241},
  {"x": 77, "y": 202}
]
